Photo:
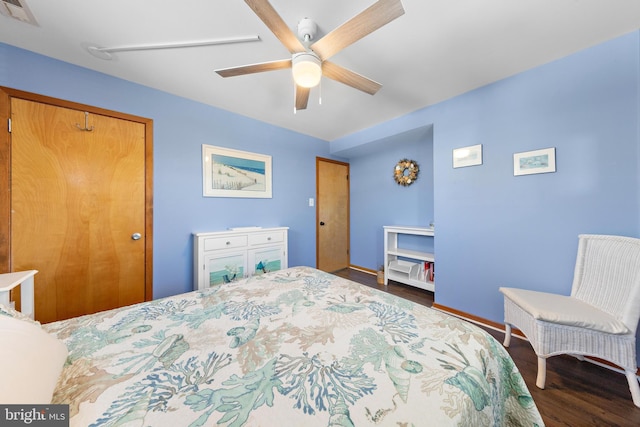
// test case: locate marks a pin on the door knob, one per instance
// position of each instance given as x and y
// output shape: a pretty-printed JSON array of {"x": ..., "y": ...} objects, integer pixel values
[
  {"x": 321, "y": 222},
  {"x": 136, "y": 236}
]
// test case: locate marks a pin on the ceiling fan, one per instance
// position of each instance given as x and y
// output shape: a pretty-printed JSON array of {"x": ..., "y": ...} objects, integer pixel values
[{"x": 309, "y": 60}]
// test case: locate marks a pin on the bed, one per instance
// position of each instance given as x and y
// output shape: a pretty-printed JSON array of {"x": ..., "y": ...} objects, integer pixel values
[{"x": 296, "y": 347}]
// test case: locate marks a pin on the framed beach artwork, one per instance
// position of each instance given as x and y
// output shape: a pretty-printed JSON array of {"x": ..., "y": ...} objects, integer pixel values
[
  {"x": 234, "y": 173},
  {"x": 467, "y": 156},
  {"x": 537, "y": 161}
]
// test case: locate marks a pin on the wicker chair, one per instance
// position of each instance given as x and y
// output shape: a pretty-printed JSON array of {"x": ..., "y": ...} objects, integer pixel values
[{"x": 600, "y": 317}]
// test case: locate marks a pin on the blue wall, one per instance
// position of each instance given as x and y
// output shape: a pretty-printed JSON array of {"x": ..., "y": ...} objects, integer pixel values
[
  {"x": 377, "y": 200},
  {"x": 494, "y": 229},
  {"x": 180, "y": 128}
]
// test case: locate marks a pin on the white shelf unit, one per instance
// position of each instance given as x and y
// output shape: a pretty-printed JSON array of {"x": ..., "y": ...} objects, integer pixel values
[
  {"x": 225, "y": 256},
  {"x": 405, "y": 265}
]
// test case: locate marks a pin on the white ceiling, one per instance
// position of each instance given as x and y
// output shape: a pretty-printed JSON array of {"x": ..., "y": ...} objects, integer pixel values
[{"x": 437, "y": 50}]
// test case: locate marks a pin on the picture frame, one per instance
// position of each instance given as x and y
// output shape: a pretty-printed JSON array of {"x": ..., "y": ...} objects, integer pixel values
[
  {"x": 235, "y": 173},
  {"x": 467, "y": 156},
  {"x": 533, "y": 162}
]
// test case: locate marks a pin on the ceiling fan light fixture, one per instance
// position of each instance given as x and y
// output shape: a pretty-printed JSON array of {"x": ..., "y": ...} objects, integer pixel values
[{"x": 306, "y": 69}]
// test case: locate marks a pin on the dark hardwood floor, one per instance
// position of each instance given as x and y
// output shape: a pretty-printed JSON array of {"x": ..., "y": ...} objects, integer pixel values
[{"x": 576, "y": 394}]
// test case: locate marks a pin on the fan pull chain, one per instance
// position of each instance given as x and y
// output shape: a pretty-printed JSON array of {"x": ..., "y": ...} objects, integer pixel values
[{"x": 320, "y": 92}]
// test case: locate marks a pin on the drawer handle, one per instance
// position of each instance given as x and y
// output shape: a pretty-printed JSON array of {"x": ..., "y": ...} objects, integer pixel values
[
  {"x": 228, "y": 243},
  {"x": 268, "y": 238}
]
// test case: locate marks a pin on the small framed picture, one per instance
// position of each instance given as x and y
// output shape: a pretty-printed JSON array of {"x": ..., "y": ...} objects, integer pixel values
[
  {"x": 467, "y": 156},
  {"x": 537, "y": 161}
]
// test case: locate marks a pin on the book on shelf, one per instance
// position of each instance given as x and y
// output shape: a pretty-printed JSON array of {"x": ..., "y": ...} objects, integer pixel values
[
  {"x": 422, "y": 274},
  {"x": 428, "y": 269}
]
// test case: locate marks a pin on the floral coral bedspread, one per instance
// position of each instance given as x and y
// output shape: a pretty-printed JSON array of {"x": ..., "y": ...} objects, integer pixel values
[{"x": 297, "y": 347}]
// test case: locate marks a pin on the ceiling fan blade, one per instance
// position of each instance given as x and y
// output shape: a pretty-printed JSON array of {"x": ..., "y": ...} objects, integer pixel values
[
  {"x": 276, "y": 24},
  {"x": 350, "y": 78},
  {"x": 254, "y": 68},
  {"x": 302, "y": 97},
  {"x": 375, "y": 16}
]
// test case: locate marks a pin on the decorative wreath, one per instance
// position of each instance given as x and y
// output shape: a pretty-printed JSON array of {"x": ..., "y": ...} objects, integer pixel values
[{"x": 406, "y": 172}]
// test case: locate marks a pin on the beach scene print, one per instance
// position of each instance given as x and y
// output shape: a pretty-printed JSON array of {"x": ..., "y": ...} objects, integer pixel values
[
  {"x": 268, "y": 260},
  {"x": 226, "y": 269},
  {"x": 235, "y": 173},
  {"x": 534, "y": 162},
  {"x": 267, "y": 266}
]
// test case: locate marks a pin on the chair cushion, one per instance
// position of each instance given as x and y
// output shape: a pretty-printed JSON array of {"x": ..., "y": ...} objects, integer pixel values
[
  {"x": 31, "y": 361},
  {"x": 564, "y": 310}
]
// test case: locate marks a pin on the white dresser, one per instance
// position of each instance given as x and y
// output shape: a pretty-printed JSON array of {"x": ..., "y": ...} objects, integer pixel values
[{"x": 225, "y": 256}]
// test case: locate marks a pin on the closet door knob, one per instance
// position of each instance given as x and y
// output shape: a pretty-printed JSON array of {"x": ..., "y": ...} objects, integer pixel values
[
  {"x": 136, "y": 236},
  {"x": 321, "y": 222}
]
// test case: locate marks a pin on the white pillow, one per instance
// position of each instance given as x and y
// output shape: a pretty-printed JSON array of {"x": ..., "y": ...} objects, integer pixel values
[{"x": 31, "y": 361}]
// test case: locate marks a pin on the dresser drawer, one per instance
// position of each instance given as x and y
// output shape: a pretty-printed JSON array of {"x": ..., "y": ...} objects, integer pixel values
[
  {"x": 264, "y": 238},
  {"x": 230, "y": 242}
]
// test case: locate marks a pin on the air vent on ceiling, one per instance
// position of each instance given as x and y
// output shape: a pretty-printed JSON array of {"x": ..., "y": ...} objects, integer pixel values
[{"x": 17, "y": 9}]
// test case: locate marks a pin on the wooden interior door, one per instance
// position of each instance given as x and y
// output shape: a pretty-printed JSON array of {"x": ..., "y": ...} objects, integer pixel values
[
  {"x": 77, "y": 198},
  {"x": 332, "y": 215}
]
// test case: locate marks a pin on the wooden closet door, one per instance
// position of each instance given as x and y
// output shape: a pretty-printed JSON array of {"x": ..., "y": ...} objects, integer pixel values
[
  {"x": 77, "y": 197},
  {"x": 332, "y": 215}
]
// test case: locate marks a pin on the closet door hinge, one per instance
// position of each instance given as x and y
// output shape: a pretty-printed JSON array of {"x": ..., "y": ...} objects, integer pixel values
[{"x": 9, "y": 125}]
